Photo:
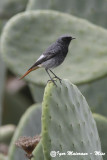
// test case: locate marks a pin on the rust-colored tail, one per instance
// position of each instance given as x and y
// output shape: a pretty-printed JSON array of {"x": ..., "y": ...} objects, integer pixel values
[{"x": 30, "y": 70}]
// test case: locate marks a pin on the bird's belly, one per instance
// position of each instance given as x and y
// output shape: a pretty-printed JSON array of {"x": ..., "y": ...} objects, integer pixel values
[{"x": 52, "y": 63}]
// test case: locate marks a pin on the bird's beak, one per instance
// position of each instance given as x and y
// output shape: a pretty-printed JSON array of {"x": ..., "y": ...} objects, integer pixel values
[{"x": 73, "y": 38}]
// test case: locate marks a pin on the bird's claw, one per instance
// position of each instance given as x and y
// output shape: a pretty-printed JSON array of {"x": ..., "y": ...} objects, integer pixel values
[
  {"x": 51, "y": 80},
  {"x": 60, "y": 80}
]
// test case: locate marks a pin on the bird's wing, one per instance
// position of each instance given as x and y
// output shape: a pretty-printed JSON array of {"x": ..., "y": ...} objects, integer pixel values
[{"x": 46, "y": 56}]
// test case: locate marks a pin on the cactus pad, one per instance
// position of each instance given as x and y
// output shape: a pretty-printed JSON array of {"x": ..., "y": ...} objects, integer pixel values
[
  {"x": 29, "y": 125},
  {"x": 38, "y": 152},
  {"x": 67, "y": 123},
  {"x": 6, "y": 133},
  {"x": 10, "y": 7},
  {"x": 37, "y": 28},
  {"x": 94, "y": 11},
  {"x": 96, "y": 95},
  {"x": 101, "y": 123},
  {"x": 2, "y": 157}
]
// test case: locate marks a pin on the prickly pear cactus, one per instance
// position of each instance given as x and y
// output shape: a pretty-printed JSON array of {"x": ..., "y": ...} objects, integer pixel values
[
  {"x": 2, "y": 81},
  {"x": 2, "y": 157},
  {"x": 38, "y": 152},
  {"x": 101, "y": 122},
  {"x": 95, "y": 10},
  {"x": 2, "y": 73},
  {"x": 6, "y": 133},
  {"x": 29, "y": 125},
  {"x": 10, "y": 7},
  {"x": 68, "y": 124},
  {"x": 96, "y": 95},
  {"x": 37, "y": 28}
]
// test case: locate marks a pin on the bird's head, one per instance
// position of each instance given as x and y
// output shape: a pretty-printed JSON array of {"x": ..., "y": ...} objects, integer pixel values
[{"x": 66, "y": 39}]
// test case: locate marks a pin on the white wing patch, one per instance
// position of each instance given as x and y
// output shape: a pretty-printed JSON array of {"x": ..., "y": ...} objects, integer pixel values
[{"x": 42, "y": 56}]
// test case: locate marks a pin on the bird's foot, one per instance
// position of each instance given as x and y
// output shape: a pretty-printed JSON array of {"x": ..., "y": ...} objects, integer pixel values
[
  {"x": 60, "y": 80},
  {"x": 51, "y": 80}
]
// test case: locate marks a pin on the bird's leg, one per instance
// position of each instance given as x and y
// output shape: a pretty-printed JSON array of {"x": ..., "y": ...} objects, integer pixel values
[
  {"x": 56, "y": 76},
  {"x": 50, "y": 77}
]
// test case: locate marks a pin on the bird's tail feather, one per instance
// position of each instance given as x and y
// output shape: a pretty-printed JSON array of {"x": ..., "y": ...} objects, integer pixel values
[{"x": 30, "y": 70}]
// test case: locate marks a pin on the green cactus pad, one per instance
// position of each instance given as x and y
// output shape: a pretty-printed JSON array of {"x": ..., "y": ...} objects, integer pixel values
[
  {"x": 96, "y": 95},
  {"x": 95, "y": 10},
  {"x": 10, "y": 7},
  {"x": 38, "y": 152},
  {"x": 2, "y": 157},
  {"x": 6, "y": 133},
  {"x": 67, "y": 123},
  {"x": 2, "y": 81},
  {"x": 2, "y": 73},
  {"x": 29, "y": 125},
  {"x": 39, "y": 30},
  {"x": 101, "y": 122}
]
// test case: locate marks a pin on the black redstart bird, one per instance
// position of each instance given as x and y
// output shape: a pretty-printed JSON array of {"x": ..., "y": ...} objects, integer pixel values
[{"x": 53, "y": 56}]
